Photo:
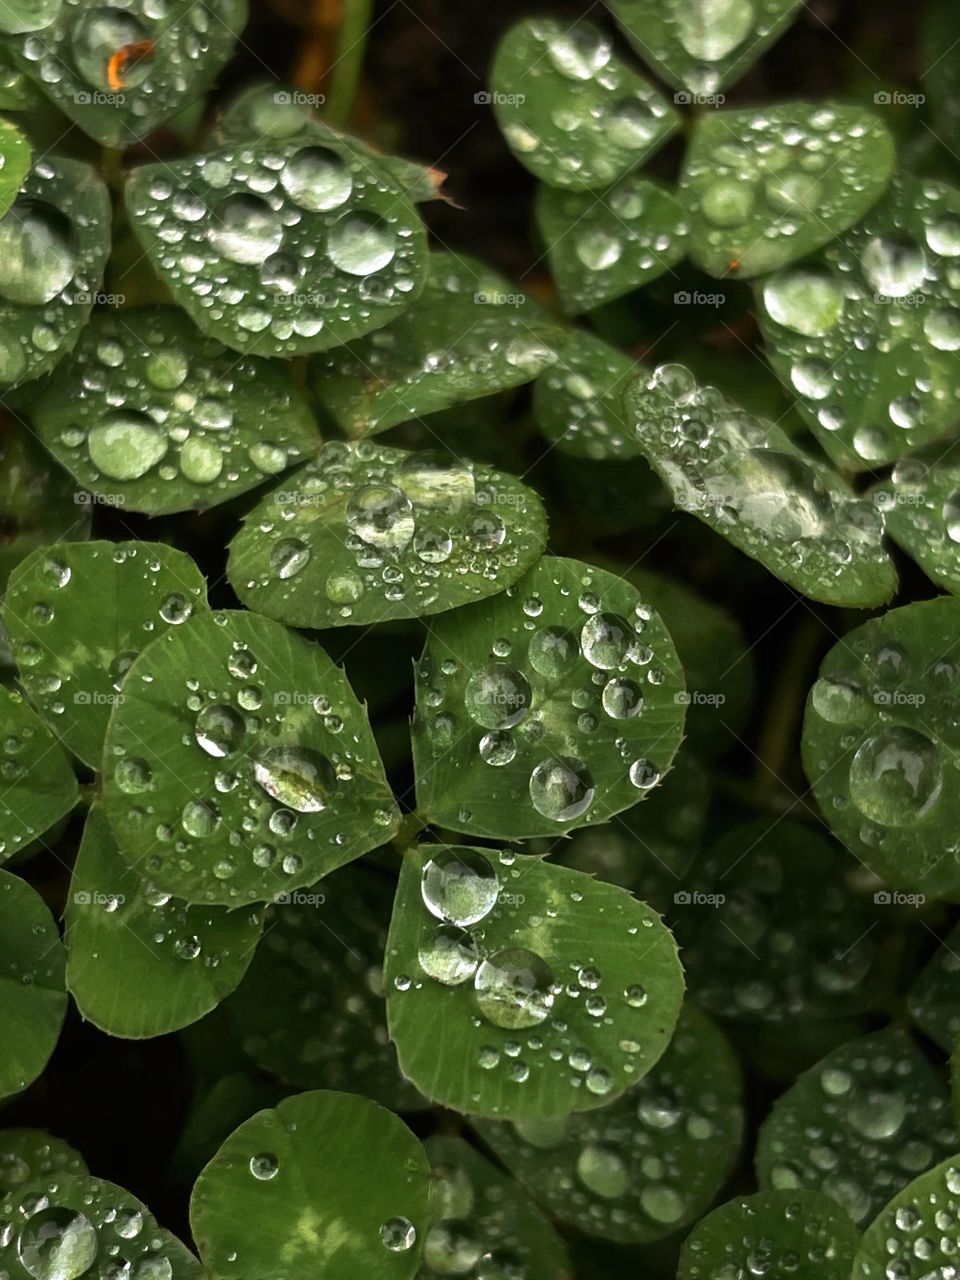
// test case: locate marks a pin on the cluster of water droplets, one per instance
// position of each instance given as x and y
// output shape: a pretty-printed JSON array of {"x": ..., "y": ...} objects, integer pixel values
[
  {"x": 44, "y": 1232},
  {"x": 743, "y": 476},
  {"x": 72, "y": 56},
  {"x": 53, "y": 245},
  {"x": 258, "y": 784},
  {"x": 21, "y": 750},
  {"x": 878, "y": 315},
  {"x": 28, "y": 1154},
  {"x": 602, "y": 248},
  {"x": 921, "y": 502},
  {"x": 578, "y": 403},
  {"x": 916, "y": 1235},
  {"x": 637, "y": 1169},
  {"x": 150, "y": 399},
  {"x": 287, "y": 247},
  {"x": 570, "y": 109},
  {"x": 384, "y": 532},
  {"x": 861, "y": 1125},
  {"x": 514, "y": 989}
]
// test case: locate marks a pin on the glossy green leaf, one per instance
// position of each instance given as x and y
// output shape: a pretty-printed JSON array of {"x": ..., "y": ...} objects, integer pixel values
[
  {"x": 881, "y": 743},
  {"x": 914, "y": 1238},
  {"x": 54, "y": 243},
  {"x": 240, "y": 764},
  {"x": 39, "y": 786},
  {"x": 571, "y": 110},
  {"x": 878, "y": 1114},
  {"x": 32, "y": 997},
  {"x": 702, "y": 45},
  {"x": 517, "y": 988},
  {"x": 482, "y": 1223},
  {"x": 140, "y": 963},
  {"x": 14, "y": 161},
  {"x": 72, "y": 1225},
  {"x": 934, "y": 999},
  {"x": 470, "y": 333},
  {"x": 238, "y": 249},
  {"x": 748, "y": 481},
  {"x": 119, "y": 73},
  {"x": 867, "y": 334},
  {"x": 773, "y": 930},
  {"x": 554, "y": 705},
  {"x": 921, "y": 506},
  {"x": 151, "y": 415},
  {"x": 767, "y": 186},
  {"x": 782, "y": 1235},
  {"x": 603, "y": 245},
  {"x": 324, "y": 1184},
  {"x": 311, "y": 1008},
  {"x": 39, "y": 503},
  {"x": 650, "y": 1163},
  {"x": 578, "y": 402},
  {"x": 17, "y": 16},
  {"x": 28, "y": 1154},
  {"x": 73, "y": 658},
  {"x": 366, "y": 533}
]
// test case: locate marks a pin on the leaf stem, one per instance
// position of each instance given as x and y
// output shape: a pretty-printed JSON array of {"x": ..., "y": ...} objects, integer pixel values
[
  {"x": 779, "y": 729},
  {"x": 345, "y": 73}
]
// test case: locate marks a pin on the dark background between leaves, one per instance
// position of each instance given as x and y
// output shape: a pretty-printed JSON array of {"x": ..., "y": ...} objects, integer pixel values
[{"x": 123, "y": 1103}]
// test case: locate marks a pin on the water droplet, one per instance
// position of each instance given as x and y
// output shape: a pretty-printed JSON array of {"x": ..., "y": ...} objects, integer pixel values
[
  {"x": 317, "y": 179},
  {"x": 245, "y": 229},
  {"x": 896, "y": 775},
  {"x": 514, "y": 988},
  {"x": 125, "y": 445},
  {"x": 298, "y": 777},
  {"x": 381, "y": 515},
  {"x": 219, "y": 729},
  {"x": 449, "y": 956},
  {"x": 360, "y": 244},
  {"x": 398, "y": 1234},
  {"x": 264, "y": 1166},
  {"x": 561, "y": 788},
  {"x": 57, "y": 1244},
  {"x": 459, "y": 886},
  {"x": 603, "y": 1172},
  {"x": 497, "y": 696}
]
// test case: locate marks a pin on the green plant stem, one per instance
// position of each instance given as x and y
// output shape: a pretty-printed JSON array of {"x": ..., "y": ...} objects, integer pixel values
[
  {"x": 351, "y": 46},
  {"x": 780, "y": 729}
]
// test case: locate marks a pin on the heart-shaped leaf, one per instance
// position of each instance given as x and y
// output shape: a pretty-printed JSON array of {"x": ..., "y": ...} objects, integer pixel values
[
  {"x": 140, "y": 963},
  {"x": 153, "y": 416},
  {"x": 649, "y": 1163},
  {"x": 240, "y": 764},
  {"x": 601, "y": 245},
  {"x": 934, "y": 999},
  {"x": 324, "y": 1184},
  {"x": 880, "y": 1115},
  {"x": 281, "y": 262},
  {"x": 119, "y": 73},
  {"x": 470, "y": 333},
  {"x": 867, "y": 334},
  {"x": 578, "y": 402},
  {"x": 554, "y": 705},
  {"x": 75, "y": 1225},
  {"x": 366, "y": 533},
  {"x": 482, "y": 1223},
  {"x": 54, "y": 243},
  {"x": 767, "y": 186},
  {"x": 881, "y": 743},
  {"x": 14, "y": 162},
  {"x": 39, "y": 503},
  {"x": 32, "y": 997},
  {"x": 28, "y": 1154},
  {"x": 910, "y": 1239},
  {"x": 746, "y": 479},
  {"x": 772, "y": 931},
  {"x": 572, "y": 111},
  {"x": 518, "y": 988},
  {"x": 322, "y": 953},
  {"x": 702, "y": 45},
  {"x": 921, "y": 507},
  {"x": 39, "y": 786},
  {"x": 781, "y": 1235},
  {"x": 73, "y": 658}
]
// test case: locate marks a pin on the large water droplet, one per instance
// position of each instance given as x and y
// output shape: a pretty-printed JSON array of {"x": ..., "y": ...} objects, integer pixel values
[
  {"x": 712, "y": 29},
  {"x": 449, "y": 956},
  {"x": 36, "y": 257},
  {"x": 382, "y": 516},
  {"x": 497, "y": 696},
  {"x": 317, "y": 179},
  {"x": 57, "y": 1244},
  {"x": 606, "y": 640},
  {"x": 603, "y": 1172},
  {"x": 895, "y": 268},
  {"x": 895, "y": 775},
  {"x": 459, "y": 886},
  {"x": 360, "y": 243},
  {"x": 561, "y": 788},
  {"x": 298, "y": 777},
  {"x": 126, "y": 445},
  {"x": 245, "y": 229},
  {"x": 451, "y": 1248},
  {"x": 219, "y": 729},
  {"x": 514, "y": 988},
  {"x": 808, "y": 302}
]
